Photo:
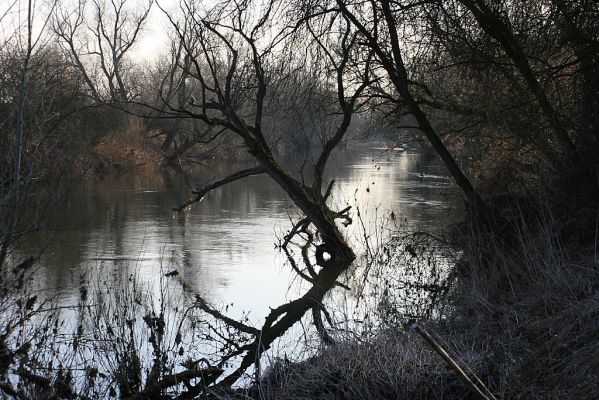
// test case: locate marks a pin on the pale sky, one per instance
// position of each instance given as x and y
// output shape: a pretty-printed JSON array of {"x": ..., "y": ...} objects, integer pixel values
[
  {"x": 154, "y": 38},
  {"x": 151, "y": 42}
]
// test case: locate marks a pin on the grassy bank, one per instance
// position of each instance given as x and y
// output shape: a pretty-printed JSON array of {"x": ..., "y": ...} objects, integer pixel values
[{"x": 521, "y": 314}]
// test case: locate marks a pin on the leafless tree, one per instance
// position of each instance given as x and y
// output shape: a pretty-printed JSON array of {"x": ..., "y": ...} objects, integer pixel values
[
  {"x": 494, "y": 20},
  {"x": 238, "y": 61},
  {"x": 24, "y": 62},
  {"x": 379, "y": 23},
  {"x": 98, "y": 37},
  {"x": 245, "y": 60}
]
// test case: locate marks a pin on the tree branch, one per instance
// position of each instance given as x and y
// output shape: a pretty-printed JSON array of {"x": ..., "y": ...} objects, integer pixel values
[
  {"x": 200, "y": 193},
  {"x": 152, "y": 391}
]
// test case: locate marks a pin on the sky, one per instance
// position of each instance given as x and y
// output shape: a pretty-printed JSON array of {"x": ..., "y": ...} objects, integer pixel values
[
  {"x": 154, "y": 39},
  {"x": 152, "y": 42}
]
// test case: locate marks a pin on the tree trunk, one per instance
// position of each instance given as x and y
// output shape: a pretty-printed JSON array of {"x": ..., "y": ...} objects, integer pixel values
[{"x": 399, "y": 78}]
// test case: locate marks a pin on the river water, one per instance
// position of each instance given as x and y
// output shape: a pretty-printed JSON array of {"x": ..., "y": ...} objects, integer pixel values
[{"x": 223, "y": 248}]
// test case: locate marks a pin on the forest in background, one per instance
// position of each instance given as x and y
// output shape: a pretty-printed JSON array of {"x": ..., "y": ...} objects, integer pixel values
[{"x": 504, "y": 92}]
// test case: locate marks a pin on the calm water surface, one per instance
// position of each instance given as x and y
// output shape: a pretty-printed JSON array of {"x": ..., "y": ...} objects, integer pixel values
[{"x": 224, "y": 247}]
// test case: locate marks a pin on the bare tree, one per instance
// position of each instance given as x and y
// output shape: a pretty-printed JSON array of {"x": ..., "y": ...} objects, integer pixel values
[
  {"x": 377, "y": 22},
  {"x": 98, "y": 39},
  {"x": 19, "y": 171},
  {"x": 181, "y": 135},
  {"x": 497, "y": 25},
  {"x": 244, "y": 59}
]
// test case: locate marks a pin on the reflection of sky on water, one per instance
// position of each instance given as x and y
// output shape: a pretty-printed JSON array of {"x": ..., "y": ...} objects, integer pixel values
[
  {"x": 223, "y": 248},
  {"x": 393, "y": 184}
]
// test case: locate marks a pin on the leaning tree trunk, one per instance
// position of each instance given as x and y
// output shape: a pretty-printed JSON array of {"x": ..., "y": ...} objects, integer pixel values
[{"x": 396, "y": 72}]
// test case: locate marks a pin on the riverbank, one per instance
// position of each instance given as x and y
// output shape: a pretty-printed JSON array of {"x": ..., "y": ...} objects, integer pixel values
[
  {"x": 521, "y": 315},
  {"x": 130, "y": 145}
]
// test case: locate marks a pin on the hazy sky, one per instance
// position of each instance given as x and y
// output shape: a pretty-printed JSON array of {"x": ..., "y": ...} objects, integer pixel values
[
  {"x": 152, "y": 41},
  {"x": 155, "y": 38}
]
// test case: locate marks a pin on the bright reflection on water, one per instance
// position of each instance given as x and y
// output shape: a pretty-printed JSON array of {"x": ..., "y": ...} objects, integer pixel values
[{"x": 223, "y": 248}]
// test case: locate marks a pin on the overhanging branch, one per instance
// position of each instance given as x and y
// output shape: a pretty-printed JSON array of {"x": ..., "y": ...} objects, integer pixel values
[{"x": 200, "y": 193}]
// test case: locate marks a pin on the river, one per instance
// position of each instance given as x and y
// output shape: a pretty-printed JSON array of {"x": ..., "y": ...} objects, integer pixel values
[
  {"x": 119, "y": 266},
  {"x": 223, "y": 248}
]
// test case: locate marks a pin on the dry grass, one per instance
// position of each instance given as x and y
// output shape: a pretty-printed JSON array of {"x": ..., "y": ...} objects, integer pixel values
[
  {"x": 125, "y": 150},
  {"x": 396, "y": 365},
  {"x": 523, "y": 316},
  {"x": 537, "y": 304}
]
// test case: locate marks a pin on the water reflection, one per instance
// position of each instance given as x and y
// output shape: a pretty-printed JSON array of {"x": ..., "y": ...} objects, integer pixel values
[{"x": 223, "y": 248}]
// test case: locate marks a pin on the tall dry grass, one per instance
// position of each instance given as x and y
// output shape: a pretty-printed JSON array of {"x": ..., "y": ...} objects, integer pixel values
[
  {"x": 521, "y": 313},
  {"x": 535, "y": 301}
]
